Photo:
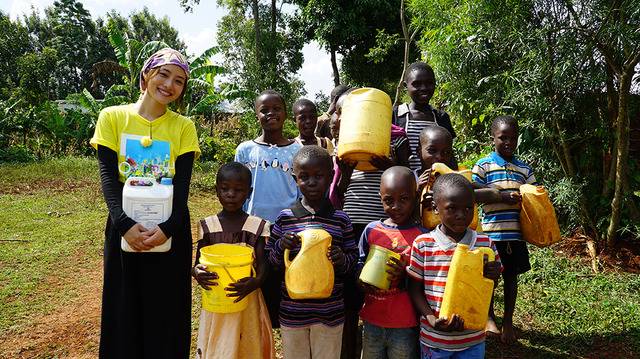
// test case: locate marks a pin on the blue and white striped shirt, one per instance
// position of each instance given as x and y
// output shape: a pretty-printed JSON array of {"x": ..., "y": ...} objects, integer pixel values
[{"x": 500, "y": 220}]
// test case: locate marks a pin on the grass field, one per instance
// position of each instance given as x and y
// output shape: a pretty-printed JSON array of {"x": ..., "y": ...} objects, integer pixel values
[{"x": 51, "y": 236}]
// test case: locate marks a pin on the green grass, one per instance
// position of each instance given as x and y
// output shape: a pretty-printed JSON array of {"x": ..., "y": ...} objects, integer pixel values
[{"x": 51, "y": 237}]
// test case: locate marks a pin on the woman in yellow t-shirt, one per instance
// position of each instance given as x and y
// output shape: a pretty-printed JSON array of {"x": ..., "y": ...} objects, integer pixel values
[{"x": 146, "y": 303}]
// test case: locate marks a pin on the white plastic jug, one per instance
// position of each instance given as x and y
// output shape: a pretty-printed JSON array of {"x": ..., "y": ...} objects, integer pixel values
[{"x": 148, "y": 203}]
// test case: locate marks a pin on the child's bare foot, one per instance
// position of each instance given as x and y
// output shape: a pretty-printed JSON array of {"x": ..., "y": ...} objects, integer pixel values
[
  {"x": 508, "y": 335},
  {"x": 491, "y": 329}
]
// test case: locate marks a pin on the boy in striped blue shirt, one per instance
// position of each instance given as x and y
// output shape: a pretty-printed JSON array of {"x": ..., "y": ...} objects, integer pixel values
[
  {"x": 502, "y": 170},
  {"x": 312, "y": 328}
]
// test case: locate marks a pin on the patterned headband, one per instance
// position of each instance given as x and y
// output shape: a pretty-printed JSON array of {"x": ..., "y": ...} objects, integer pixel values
[{"x": 165, "y": 56}]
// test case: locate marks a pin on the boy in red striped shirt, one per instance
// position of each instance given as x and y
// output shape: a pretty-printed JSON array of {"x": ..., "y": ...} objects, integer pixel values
[{"x": 431, "y": 255}]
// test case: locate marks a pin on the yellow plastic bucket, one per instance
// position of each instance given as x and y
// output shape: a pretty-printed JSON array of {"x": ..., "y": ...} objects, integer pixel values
[
  {"x": 231, "y": 262},
  {"x": 365, "y": 127},
  {"x": 375, "y": 267}
]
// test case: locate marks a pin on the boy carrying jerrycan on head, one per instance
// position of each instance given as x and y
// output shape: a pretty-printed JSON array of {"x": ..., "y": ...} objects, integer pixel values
[{"x": 429, "y": 268}]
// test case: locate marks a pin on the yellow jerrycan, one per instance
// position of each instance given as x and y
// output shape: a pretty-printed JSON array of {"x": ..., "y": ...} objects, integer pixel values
[
  {"x": 429, "y": 219},
  {"x": 467, "y": 293},
  {"x": 310, "y": 274},
  {"x": 365, "y": 127},
  {"x": 538, "y": 218}
]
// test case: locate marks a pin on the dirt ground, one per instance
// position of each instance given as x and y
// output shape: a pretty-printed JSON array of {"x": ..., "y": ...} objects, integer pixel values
[{"x": 73, "y": 331}]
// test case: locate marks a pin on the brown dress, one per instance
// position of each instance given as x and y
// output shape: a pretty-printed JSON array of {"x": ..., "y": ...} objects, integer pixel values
[{"x": 245, "y": 334}]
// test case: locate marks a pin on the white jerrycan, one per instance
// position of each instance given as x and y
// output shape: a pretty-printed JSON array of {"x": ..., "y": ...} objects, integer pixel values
[{"x": 148, "y": 203}]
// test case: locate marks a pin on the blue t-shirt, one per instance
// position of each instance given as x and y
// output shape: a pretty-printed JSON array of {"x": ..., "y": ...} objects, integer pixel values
[{"x": 271, "y": 177}]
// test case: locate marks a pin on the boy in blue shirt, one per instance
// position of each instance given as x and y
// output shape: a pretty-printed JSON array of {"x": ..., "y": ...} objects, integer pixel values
[{"x": 502, "y": 170}]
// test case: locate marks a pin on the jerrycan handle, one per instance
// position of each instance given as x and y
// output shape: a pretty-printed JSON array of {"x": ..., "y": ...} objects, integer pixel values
[
  {"x": 287, "y": 261},
  {"x": 487, "y": 251}
]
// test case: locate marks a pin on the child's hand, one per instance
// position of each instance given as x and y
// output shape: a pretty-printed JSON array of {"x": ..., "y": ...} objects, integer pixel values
[
  {"x": 427, "y": 200},
  {"x": 136, "y": 236},
  {"x": 425, "y": 179},
  {"x": 242, "y": 288},
  {"x": 381, "y": 162},
  {"x": 289, "y": 241},
  {"x": 492, "y": 270},
  {"x": 455, "y": 325},
  {"x": 511, "y": 197},
  {"x": 204, "y": 277},
  {"x": 336, "y": 256},
  {"x": 365, "y": 287},
  {"x": 345, "y": 166},
  {"x": 397, "y": 268}
]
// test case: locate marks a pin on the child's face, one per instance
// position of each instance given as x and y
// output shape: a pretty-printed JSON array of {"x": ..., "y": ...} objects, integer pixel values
[
  {"x": 166, "y": 85},
  {"x": 420, "y": 84},
  {"x": 313, "y": 178},
  {"x": 270, "y": 112},
  {"x": 306, "y": 118},
  {"x": 233, "y": 189},
  {"x": 455, "y": 208},
  {"x": 505, "y": 140},
  {"x": 334, "y": 127},
  {"x": 398, "y": 196},
  {"x": 434, "y": 149}
]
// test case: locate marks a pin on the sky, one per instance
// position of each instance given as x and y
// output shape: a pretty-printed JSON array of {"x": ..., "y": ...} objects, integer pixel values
[{"x": 197, "y": 30}]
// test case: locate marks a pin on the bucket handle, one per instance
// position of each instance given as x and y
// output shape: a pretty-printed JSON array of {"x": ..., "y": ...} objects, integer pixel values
[{"x": 224, "y": 266}]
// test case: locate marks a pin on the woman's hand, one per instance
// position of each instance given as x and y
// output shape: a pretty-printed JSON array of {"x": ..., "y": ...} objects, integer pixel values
[
  {"x": 136, "y": 237},
  {"x": 242, "y": 288},
  {"x": 156, "y": 237},
  {"x": 204, "y": 277}
]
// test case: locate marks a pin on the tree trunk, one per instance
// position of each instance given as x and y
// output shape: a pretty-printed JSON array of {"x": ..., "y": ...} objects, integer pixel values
[
  {"x": 407, "y": 47},
  {"x": 613, "y": 114},
  {"x": 621, "y": 155},
  {"x": 256, "y": 29},
  {"x": 273, "y": 18},
  {"x": 334, "y": 66}
]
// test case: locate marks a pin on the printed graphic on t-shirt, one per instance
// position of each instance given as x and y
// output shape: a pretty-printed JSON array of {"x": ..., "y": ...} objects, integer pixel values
[{"x": 145, "y": 157}]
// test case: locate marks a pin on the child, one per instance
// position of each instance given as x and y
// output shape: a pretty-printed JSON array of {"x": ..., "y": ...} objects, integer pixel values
[
  {"x": 389, "y": 320},
  {"x": 269, "y": 157},
  {"x": 313, "y": 328},
  {"x": 305, "y": 116},
  {"x": 322, "y": 128},
  {"x": 428, "y": 268},
  {"x": 502, "y": 170},
  {"x": 420, "y": 83},
  {"x": 359, "y": 191},
  {"x": 334, "y": 129},
  {"x": 146, "y": 139},
  {"x": 245, "y": 334}
]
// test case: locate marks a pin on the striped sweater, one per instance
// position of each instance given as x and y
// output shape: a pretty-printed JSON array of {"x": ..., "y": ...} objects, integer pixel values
[
  {"x": 431, "y": 255},
  {"x": 305, "y": 312},
  {"x": 500, "y": 221}
]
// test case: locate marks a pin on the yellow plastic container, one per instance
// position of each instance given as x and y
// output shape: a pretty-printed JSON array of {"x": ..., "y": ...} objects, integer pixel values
[
  {"x": 467, "y": 293},
  {"x": 310, "y": 274},
  {"x": 429, "y": 219},
  {"x": 231, "y": 262},
  {"x": 375, "y": 267},
  {"x": 538, "y": 217},
  {"x": 365, "y": 127}
]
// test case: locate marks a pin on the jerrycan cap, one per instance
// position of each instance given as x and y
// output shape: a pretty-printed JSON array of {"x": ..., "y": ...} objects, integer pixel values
[{"x": 166, "y": 181}]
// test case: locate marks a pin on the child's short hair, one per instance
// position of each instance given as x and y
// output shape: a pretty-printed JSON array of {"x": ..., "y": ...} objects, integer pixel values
[
  {"x": 301, "y": 103},
  {"x": 396, "y": 172},
  {"x": 271, "y": 92},
  {"x": 434, "y": 131},
  {"x": 235, "y": 168},
  {"x": 504, "y": 120},
  {"x": 418, "y": 66},
  {"x": 448, "y": 182},
  {"x": 315, "y": 152}
]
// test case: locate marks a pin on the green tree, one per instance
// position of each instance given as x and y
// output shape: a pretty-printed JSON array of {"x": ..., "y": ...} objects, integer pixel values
[
  {"x": 14, "y": 43},
  {"x": 35, "y": 72}
]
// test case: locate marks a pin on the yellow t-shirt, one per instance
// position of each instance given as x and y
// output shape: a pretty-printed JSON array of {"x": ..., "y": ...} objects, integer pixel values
[{"x": 122, "y": 129}]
